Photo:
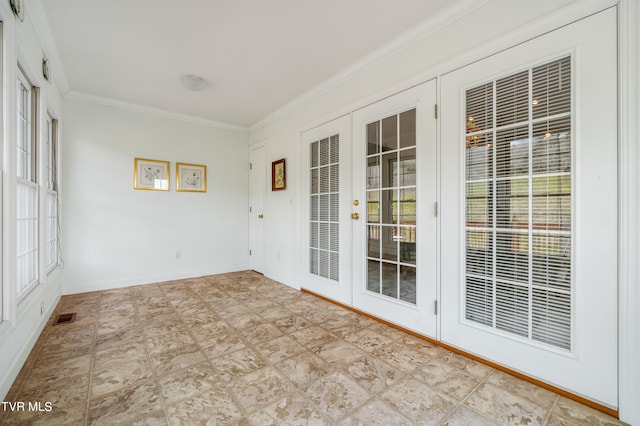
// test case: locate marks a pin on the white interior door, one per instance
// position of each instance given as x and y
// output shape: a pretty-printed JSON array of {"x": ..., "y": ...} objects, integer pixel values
[
  {"x": 529, "y": 208},
  {"x": 325, "y": 225},
  {"x": 394, "y": 234},
  {"x": 257, "y": 194}
]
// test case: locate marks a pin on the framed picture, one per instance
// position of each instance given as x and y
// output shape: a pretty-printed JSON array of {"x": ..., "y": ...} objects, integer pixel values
[
  {"x": 151, "y": 174},
  {"x": 191, "y": 177},
  {"x": 278, "y": 175}
]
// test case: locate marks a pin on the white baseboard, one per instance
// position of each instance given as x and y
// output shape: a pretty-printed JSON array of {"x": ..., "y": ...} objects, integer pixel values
[{"x": 85, "y": 287}]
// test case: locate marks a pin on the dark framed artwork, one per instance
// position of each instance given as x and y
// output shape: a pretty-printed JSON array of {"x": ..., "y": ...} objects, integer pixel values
[{"x": 278, "y": 175}]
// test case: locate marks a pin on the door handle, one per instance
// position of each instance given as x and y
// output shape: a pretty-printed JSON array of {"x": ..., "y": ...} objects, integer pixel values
[
  {"x": 260, "y": 216},
  {"x": 355, "y": 216}
]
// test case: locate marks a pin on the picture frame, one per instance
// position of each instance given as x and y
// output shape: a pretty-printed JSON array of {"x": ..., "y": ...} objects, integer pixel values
[
  {"x": 191, "y": 177},
  {"x": 151, "y": 175},
  {"x": 278, "y": 175}
]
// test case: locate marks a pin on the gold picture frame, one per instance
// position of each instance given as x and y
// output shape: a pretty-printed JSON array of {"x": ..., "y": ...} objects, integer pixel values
[
  {"x": 151, "y": 175},
  {"x": 278, "y": 175},
  {"x": 191, "y": 177}
]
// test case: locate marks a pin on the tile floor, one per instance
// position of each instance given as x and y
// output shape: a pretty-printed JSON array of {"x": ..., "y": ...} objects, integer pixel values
[{"x": 245, "y": 350}]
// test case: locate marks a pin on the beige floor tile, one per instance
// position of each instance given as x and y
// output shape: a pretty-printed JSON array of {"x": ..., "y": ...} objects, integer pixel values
[
  {"x": 212, "y": 407},
  {"x": 189, "y": 382},
  {"x": 292, "y": 410},
  {"x": 463, "y": 416},
  {"x": 336, "y": 395},
  {"x": 244, "y": 320},
  {"x": 118, "y": 338},
  {"x": 280, "y": 348},
  {"x": 169, "y": 342},
  {"x": 127, "y": 351},
  {"x": 125, "y": 405},
  {"x": 448, "y": 380},
  {"x": 114, "y": 325},
  {"x": 376, "y": 413},
  {"x": 261, "y": 333},
  {"x": 401, "y": 356},
  {"x": 572, "y": 412},
  {"x": 338, "y": 352},
  {"x": 197, "y": 318},
  {"x": 419, "y": 402},
  {"x": 506, "y": 407},
  {"x": 51, "y": 369},
  {"x": 303, "y": 369},
  {"x": 522, "y": 389},
  {"x": 62, "y": 393},
  {"x": 260, "y": 388},
  {"x": 118, "y": 376},
  {"x": 70, "y": 340},
  {"x": 157, "y": 418},
  {"x": 313, "y": 336},
  {"x": 222, "y": 345},
  {"x": 162, "y": 324},
  {"x": 367, "y": 340},
  {"x": 292, "y": 323},
  {"x": 171, "y": 361},
  {"x": 237, "y": 364},
  {"x": 372, "y": 374}
]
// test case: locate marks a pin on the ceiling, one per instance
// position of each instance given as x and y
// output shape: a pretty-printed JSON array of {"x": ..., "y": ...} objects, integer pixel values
[{"x": 257, "y": 55}]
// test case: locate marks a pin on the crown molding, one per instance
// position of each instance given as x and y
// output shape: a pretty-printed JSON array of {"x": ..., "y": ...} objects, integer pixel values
[
  {"x": 35, "y": 10},
  {"x": 401, "y": 42},
  {"x": 114, "y": 103}
]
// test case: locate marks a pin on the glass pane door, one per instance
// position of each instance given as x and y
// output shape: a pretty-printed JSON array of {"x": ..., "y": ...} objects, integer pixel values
[
  {"x": 325, "y": 227},
  {"x": 529, "y": 218},
  {"x": 391, "y": 206},
  {"x": 395, "y": 239}
]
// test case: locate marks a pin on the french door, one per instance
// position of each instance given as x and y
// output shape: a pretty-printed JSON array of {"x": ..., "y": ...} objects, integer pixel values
[
  {"x": 394, "y": 216},
  {"x": 529, "y": 208},
  {"x": 369, "y": 224},
  {"x": 325, "y": 250}
]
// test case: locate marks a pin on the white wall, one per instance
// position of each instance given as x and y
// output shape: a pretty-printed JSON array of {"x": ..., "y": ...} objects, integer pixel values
[{"x": 116, "y": 236}]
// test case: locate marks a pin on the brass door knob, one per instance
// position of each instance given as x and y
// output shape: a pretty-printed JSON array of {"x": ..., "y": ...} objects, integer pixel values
[
  {"x": 260, "y": 216},
  {"x": 355, "y": 216}
]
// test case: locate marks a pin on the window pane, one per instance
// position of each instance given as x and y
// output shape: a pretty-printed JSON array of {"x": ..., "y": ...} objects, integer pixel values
[
  {"x": 373, "y": 138},
  {"x": 390, "y": 133},
  {"x": 407, "y": 168},
  {"x": 408, "y": 128}
]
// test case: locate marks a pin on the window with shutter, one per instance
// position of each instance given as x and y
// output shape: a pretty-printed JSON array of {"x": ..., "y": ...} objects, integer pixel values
[{"x": 518, "y": 180}]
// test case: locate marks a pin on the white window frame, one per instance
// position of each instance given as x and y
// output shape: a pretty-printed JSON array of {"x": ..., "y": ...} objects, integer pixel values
[
  {"x": 52, "y": 212},
  {"x": 26, "y": 178}
]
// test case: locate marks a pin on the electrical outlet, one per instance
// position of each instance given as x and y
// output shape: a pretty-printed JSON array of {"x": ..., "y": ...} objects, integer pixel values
[{"x": 179, "y": 254}]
